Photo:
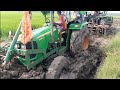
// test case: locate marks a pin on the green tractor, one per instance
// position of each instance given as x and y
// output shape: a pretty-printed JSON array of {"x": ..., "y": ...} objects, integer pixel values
[
  {"x": 105, "y": 19},
  {"x": 101, "y": 18},
  {"x": 99, "y": 22},
  {"x": 45, "y": 42}
]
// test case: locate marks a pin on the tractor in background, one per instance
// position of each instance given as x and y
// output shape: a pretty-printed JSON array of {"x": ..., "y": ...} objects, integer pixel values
[
  {"x": 45, "y": 42},
  {"x": 104, "y": 19},
  {"x": 99, "y": 22}
]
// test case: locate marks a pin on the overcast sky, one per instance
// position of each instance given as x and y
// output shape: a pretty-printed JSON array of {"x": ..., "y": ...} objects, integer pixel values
[{"x": 113, "y": 12}]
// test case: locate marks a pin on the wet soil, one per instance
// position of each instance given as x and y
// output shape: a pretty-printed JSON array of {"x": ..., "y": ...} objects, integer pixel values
[{"x": 83, "y": 66}]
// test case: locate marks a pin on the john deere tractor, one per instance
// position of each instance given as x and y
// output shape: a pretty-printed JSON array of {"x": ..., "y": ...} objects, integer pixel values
[
  {"x": 104, "y": 19},
  {"x": 45, "y": 42},
  {"x": 101, "y": 18},
  {"x": 99, "y": 22}
]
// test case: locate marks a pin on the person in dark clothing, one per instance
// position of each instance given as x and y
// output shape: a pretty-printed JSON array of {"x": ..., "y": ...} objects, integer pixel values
[{"x": 78, "y": 19}]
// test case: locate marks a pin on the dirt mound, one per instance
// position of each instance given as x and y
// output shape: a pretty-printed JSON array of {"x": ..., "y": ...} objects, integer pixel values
[
  {"x": 82, "y": 65},
  {"x": 116, "y": 23},
  {"x": 111, "y": 31},
  {"x": 79, "y": 67}
]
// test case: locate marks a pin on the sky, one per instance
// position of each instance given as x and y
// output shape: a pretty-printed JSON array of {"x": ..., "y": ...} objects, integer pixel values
[{"x": 113, "y": 11}]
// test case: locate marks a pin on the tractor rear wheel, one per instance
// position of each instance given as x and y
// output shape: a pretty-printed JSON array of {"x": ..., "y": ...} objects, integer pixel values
[
  {"x": 56, "y": 67},
  {"x": 79, "y": 41}
]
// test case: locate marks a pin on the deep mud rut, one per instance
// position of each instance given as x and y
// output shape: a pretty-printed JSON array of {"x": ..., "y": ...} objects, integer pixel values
[
  {"x": 83, "y": 66},
  {"x": 79, "y": 67}
]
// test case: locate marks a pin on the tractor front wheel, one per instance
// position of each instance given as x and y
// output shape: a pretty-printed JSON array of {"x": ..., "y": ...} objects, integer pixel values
[{"x": 56, "y": 67}]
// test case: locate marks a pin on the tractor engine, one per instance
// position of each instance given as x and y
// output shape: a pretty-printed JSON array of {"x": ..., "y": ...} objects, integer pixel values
[{"x": 37, "y": 49}]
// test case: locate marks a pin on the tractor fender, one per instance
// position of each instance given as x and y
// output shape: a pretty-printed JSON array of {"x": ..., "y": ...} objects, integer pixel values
[{"x": 83, "y": 24}]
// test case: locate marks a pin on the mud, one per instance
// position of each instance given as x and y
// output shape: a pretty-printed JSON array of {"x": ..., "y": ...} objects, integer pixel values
[
  {"x": 116, "y": 23},
  {"x": 83, "y": 66},
  {"x": 80, "y": 67}
]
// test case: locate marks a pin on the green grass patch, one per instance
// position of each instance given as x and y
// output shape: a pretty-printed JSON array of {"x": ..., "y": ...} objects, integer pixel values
[
  {"x": 116, "y": 17},
  {"x": 110, "y": 68},
  {"x": 10, "y": 21}
]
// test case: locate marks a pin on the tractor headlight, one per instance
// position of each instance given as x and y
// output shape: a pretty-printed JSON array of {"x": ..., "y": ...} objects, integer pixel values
[
  {"x": 22, "y": 46},
  {"x": 16, "y": 46}
]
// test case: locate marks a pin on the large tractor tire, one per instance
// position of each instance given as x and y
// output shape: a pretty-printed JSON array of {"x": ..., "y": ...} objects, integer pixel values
[
  {"x": 56, "y": 67},
  {"x": 79, "y": 41}
]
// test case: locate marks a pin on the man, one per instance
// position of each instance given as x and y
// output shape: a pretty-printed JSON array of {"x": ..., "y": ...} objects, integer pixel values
[
  {"x": 60, "y": 24},
  {"x": 76, "y": 18},
  {"x": 73, "y": 15},
  {"x": 94, "y": 15},
  {"x": 61, "y": 21}
]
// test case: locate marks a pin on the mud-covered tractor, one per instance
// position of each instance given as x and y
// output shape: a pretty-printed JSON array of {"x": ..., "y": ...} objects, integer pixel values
[
  {"x": 46, "y": 42},
  {"x": 105, "y": 19},
  {"x": 99, "y": 22}
]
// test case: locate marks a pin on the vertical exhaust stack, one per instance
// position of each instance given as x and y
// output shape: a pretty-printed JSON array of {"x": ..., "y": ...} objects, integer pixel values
[{"x": 51, "y": 24}]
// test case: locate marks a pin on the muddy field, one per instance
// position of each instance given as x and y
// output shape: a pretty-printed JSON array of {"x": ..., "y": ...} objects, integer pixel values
[
  {"x": 79, "y": 67},
  {"x": 82, "y": 66}
]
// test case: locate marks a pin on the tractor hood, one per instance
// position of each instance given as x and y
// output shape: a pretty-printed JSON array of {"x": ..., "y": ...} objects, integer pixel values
[
  {"x": 40, "y": 31},
  {"x": 83, "y": 12}
]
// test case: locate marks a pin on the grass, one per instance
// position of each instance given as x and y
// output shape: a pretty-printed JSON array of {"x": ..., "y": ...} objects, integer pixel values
[
  {"x": 10, "y": 21},
  {"x": 110, "y": 68},
  {"x": 116, "y": 17}
]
